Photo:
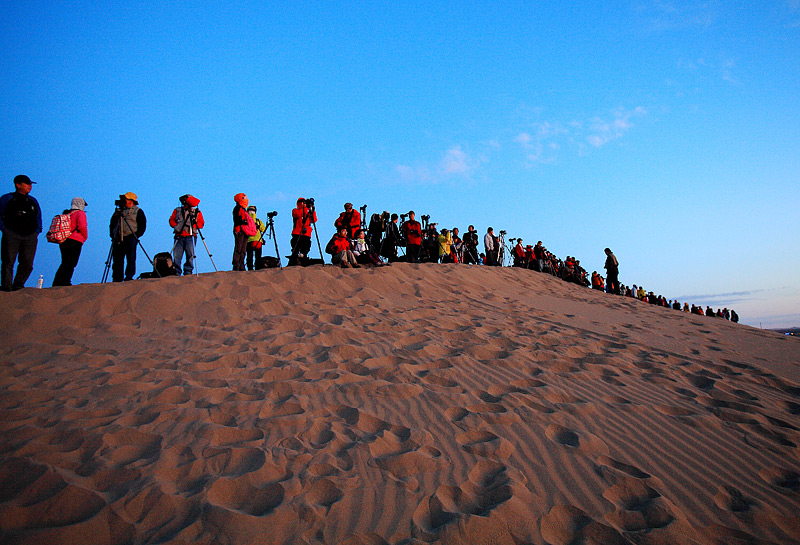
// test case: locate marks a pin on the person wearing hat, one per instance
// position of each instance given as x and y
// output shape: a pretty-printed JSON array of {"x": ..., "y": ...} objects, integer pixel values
[
  {"x": 302, "y": 218},
  {"x": 185, "y": 222},
  {"x": 612, "y": 272},
  {"x": 519, "y": 254},
  {"x": 128, "y": 224},
  {"x": 254, "y": 242},
  {"x": 244, "y": 227},
  {"x": 349, "y": 219},
  {"x": 20, "y": 223},
  {"x": 71, "y": 248}
]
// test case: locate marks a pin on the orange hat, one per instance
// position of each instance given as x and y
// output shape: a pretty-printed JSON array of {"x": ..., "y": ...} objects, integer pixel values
[{"x": 241, "y": 199}]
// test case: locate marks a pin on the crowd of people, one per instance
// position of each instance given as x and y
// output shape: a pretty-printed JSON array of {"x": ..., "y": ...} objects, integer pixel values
[{"x": 356, "y": 242}]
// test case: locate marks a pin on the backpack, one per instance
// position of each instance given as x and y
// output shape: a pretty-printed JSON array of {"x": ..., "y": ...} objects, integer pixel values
[{"x": 60, "y": 229}]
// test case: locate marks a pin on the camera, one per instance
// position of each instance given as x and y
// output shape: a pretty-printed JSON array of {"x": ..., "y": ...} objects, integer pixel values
[
  {"x": 363, "y": 209},
  {"x": 308, "y": 202},
  {"x": 119, "y": 203},
  {"x": 503, "y": 232},
  {"x": 425, "y": 217},
  {"x": 272, "y": 214},
  {"x": 403, "y": 216}
]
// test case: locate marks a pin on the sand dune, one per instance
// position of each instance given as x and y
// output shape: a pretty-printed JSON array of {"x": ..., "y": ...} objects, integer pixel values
[{"x": 408, "y": 404}]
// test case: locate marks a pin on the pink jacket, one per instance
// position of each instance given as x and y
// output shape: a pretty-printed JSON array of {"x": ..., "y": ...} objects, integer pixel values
[{"x": 80, "y": 229}]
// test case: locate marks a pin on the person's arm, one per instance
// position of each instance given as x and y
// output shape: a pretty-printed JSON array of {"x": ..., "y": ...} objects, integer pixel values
[
  {"x": 81, "y": 226},
  {"x": 38, "y": 217},
  {"x": 3, "y": 202},
  {"x": 199, "y": 221},
  {"x": 141, "y": 223},
  {"x": 173, "y": 219}
]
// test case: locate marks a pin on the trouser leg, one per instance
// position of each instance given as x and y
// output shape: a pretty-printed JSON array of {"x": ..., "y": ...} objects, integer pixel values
[
  {"x": 9, "y": 250},
  {"x": 70, "y": 253},
  {"x": 129, "y": 243},
  {"x": 25, "y": 255},
  {"x": 190, "y": 253}
]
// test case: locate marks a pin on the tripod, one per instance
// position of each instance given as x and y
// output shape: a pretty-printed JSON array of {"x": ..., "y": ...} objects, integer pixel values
[
  {"x": 270, "y": 232},
  {"x": 310, "y": 213},
  {"x": 501, "y": 255},
  {"x": 117, "y": 229},
  {"x": 193, "y": 217}
]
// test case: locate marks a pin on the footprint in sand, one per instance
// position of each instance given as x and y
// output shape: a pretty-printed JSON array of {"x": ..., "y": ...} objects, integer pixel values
[
  {"x": 786, "y": 480},
  {"x": 729, "y": 498},
  {"x": 583, "y": 441},
  {"x": 566, "y": 525},
  {"x": 239, "y": 495},
  {"x": 485, "y": 443},
  {"x": 638, "y": 506}
]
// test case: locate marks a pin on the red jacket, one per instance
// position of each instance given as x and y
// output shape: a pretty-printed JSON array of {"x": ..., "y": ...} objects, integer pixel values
[
  {"x": 303, "y": 227},
  {"x": 351, "y": 220},
  {"x": 413, "y": 232},
  {"x": 177, "y": 218},
  {"x": 77, "y": 222},
  {"x": 340, "y": 243}
]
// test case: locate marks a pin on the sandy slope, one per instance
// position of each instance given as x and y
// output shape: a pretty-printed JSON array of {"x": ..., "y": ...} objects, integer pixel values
[{"x": 410, "y": 404}]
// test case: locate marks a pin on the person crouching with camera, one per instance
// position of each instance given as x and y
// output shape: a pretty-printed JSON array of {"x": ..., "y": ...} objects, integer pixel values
[
  {"x": 339, "y": 248},
  {"x": 185, "y": 221}
]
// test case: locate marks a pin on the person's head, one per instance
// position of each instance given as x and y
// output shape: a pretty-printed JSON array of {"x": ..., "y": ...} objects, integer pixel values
[
  {"x": 455, "y": 231},
  {"x": 348, "y": 206},
  {"x": 519, "y": 242},
  {"x": 444, "y": 231},
  {"x": 77, "y": 204},
  {"x": 129, "y": 199},
  {"x": 23, "y": 184},
  {"x": 394, "y": 217},
  {"x": 490, "y": 230},
  {"x": 607, "y": 251},
  {"x": 343, "y": 232},
  {"x": 241, "y": 199},
  {"x": 252, "y": 209},
  {"x": 471, "y": 228},
  {"x": 360, "y": 234},
  {"x": 411, "y": 215}
]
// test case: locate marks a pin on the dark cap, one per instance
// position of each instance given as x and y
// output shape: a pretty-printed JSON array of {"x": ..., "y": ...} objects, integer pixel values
[{"x": 22, "y": 179}]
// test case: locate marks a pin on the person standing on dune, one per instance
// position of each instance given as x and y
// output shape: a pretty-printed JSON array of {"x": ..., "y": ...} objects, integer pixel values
[
  {"x": 20, "y": 223},
  {"x": 612, "y": 272},
  {"x": 244, "y": 227}
]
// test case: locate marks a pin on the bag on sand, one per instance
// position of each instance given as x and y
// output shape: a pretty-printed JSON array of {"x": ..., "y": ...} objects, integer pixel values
[{"x": 60, "y": 229}]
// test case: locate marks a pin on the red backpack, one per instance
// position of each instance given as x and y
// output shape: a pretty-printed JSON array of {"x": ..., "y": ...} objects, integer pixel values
[{"x": 60, "y": 229}]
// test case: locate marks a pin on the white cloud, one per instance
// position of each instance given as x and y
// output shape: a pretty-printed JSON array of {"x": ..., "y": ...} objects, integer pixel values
[
  {"x": 455, "y": 163},
  {"x": 603, "y": 131}
]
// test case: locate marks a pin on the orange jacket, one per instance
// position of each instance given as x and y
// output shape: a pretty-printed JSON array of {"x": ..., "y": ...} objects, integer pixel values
[{"x": 302, "y": 227}]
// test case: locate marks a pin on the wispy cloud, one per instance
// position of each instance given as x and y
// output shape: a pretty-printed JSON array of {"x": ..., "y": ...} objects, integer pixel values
[
  {"x": 454, "y": 164},
  {"x": 664, "y": 16},
  {"x": 542, "y": 141},
  {"x": 604, "y": 130}
]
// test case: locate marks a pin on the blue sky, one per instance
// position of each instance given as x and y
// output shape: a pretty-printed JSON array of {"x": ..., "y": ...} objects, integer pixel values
[{"x": 668, "y": 131}]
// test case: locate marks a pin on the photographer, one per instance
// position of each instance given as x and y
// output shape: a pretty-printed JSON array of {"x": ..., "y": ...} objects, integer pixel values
[
  {"x": 392, "y": 240},
  {"x": 243, "y": 228},
  {"x": 254, "y": 243},
  {"x": 471, "y": 246},
  {"x": 20, "y": 223},
  {"x": 378, "y": 224},
  {"x": 412, "y": 231},
  {"x": 349, "y": 219},
  {"x": 490, "y": 244},
  {"x": 128, "y": 224},
  {"x": 302, "y": 218},
  {"x": 519, "y": 254},
  {"x": 185, "y": 221},
  {"x": 339, "y": 247}
]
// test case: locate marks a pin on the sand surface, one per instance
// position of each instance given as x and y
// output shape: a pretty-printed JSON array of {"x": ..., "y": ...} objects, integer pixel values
[{"x": 408, "y": 404}]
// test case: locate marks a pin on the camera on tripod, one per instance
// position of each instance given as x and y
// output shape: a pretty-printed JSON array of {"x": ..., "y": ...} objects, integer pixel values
[
  {"x": 363, "y": 210},
  {"x": 119, "y": 203},
  {"x": 403, "y": 217},
  {"x": 308, "y": 202},
  {"x": 503, "y": 232},
  {"x": 272, "y": 214},
  {"x": 513, "y": 240},
  {"x": 425, "y": 217}
]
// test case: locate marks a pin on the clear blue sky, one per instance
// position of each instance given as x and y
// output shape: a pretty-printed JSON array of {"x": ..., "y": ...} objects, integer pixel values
[{"x": 668, "y": 131}]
